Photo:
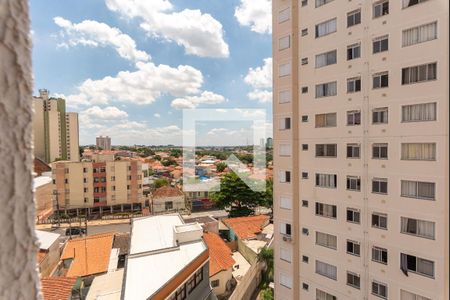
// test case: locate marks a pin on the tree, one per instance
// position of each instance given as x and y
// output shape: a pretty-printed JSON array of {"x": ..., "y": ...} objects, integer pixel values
[
  {"x": 265, "y": 256},
  {"x": 266, "y": 294},
  {"x": 175, "y": 153},
  {"x": 157, "y": 157},
  {"x": 160, "y": 182},
  {"x": 237, "y": 196},
  {"x": 169, "y": 162},
  {"x": 221, "y": 166}
]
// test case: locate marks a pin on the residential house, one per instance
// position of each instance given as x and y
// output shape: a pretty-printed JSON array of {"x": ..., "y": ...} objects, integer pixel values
[
  {"x": 208, "y": 223},
  {"x": 168, "y": 259},
  {"x": 167, "y": 199},
  {"x": 59, "y": 288},
  {"x": 106, "y": 287},
  {"x": 49, "y": 251}
]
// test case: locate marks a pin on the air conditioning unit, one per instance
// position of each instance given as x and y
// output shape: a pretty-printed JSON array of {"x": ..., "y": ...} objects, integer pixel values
[{"x": 287, "y": 238}]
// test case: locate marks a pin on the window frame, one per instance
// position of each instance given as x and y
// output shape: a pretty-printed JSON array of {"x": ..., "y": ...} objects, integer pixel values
[
  {"x": 380, "y": 4},
  {"x": 354, "y": 17}
]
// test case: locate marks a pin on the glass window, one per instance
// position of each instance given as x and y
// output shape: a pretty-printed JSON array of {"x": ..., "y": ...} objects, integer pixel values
[
  {"x": 322, "y": 2},
  {"x": 422, "y": 73},
  {"x": 326, "y": 210},
  {"x": 418, "y": 189},
  {"x": 380, "y": 151},
  {"x": 379, "y": 255},
  {"x": 419, "y": 151},
  {"x": 284, "y": 15},
  {"x": 381, "y": 80},
  {"x": 353, "y": 248},
  {"x": 405, "y": 295},
  {"x": 353, "y": 117},
  {"x": 353, "y": 150},
  {"x": 380, "y": 8},
  {"x": 322, "y": 295},
  {"x": 419, "y": 112},
  {"x": 409, "y": 3},
  {"x": 326, "y": 89},
  {"x": 380, "y": 44},
  {"x": 284, "y": 96},
  {"x": 326, "y": 120},
  {"x": 421, "y": 266},
  {"x": 326, "y": 180},
  {"x": 353, "y": 215},
  {"x": 354, "y": 18},
  {"x": 379, "y": 220},
  {"x": 326, "y": 28},
  {"x": 380, "y": 186},
  {"x": 353, "y": 183},
  {"x": 379, "y": 289},
  {"x": 420, "y": 228},
  {"x": 284, "y": 69},
  {"x": 326, "y": 59},
  {"x": 353, "y": 51},
  {"x": 419, "y": 34},
  {"x": 284, "y": 42},
  {"x": 326, "y": 150},
  {"x": 326, "y": 270},
  {"x": 353, "y": 280},
  {"x": 354, "y": 85},
  {"x": 326, "y": 240},
  {"x": 380, "y": 115}
]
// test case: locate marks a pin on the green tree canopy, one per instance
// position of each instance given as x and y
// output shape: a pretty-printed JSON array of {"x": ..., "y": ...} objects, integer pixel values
[
  {"x": 161, "y": 182},
  {"x": 221, "y": 166}
]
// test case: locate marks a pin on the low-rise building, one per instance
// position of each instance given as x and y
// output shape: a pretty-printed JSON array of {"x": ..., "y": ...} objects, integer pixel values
[
  {"x": 208, "y": 223},
  {"x": 49, "y": 252},
  {"x": 106, "y": 287},
  {"x": 99, "y": 185},
  {"x": 60, "y": 288},
  {"x": 168, "y": 259},
  {"x": 167, "y": 199},
  {"x": 43, "y": 189}
]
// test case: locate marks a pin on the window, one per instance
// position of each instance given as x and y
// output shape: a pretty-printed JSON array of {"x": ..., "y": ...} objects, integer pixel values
[
  {"x": 305, "y": 147},
  {"x": 409, "y": 3},
  {"x": 215, "y": 283},
  {"x": 380, "y": 8},
  {"x": 285, "y": 229},
  {"x": 284, "y": 69},
  {"x": 354, "y": 85},
  {"x": 353, "y": 183},
  {"x": 418, "y": 189},
  {"x": 85, "y": 190},
  {"x": 285, "y": 123},
  {"x": 416, "y": 265},
  {"x": 353, "y": 51},
  {"x": 379, "y": 255},
  {"x": 353, "y": 117},
  {"x": 419, "y": 112},
  {"x": 285, "y": 280},
  {"x": 304, "y": 2},
  {"x": 326, "y": 150},
  {"x": 379, "y": 220},
  {"x": 66, "y": 180},
  {"x": 326, "y": 210},
  {"x": 380, "y": 44},
  {"x": 326, "y": 120},
  {"x": 326, "y": 180},
  {"x": 304, "y": 90},
  {"x": 284, "y": 43},
  {"x": 305, "y": 32},
  {"x": 354, "y": 18},
  {"x": 304, "y": 119},
  {"x": 84, "y": 180},
  {"x": 305, "y": 286},
  {"x": 326, "y": 28},
  {"x": 326, "y": 89},
  {"x": 285, "y": 176},
  {"x": 305, "y": 203},
  {"x": 380, "y": 115},
  {"x": 380, "y": 186},
  {"x": 85, "y": 170},
  {"x": 284, "y": 15},
  {"x": 168, "y": 205},
  {"x": 419, "y": 151},
  {"x": 326, "y": 240},
  {"x": 304, "y": 61},
  {"x": 305, "y": 259},
  {"x": 322, "y": 2},
  {"x": 353, "y": 150},
  {"x": 321, "y": 295},
  {"x": 353, "y": 215},
  {"x": 405, "y": 295},
  {"x": 353, "y": 248},
  {"x": 420, "y": 228},
  {"x": 326, "y": 270},
  {"x": 180, "y": 293},
  {"x": 353, "y": 280},
  {"x": 286, "y": 254},
  {"x": 419, "y": 34},
  {"x": 286, "y": 202},
  {"x": 381, "y": 80},
  {"x": 326, "y": 59},
  {"x": 304, "y": 175},
  {"x": 422, "y": 73},
  {"x": 380, "y": 151},
  {"x": 113, "y": 178},
  {"x": 284, "y": 96},
  {"x": 379, "y": 289}
]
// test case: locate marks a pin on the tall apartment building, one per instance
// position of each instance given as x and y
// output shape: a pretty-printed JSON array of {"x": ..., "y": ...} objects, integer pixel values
[
  {"x": 55, "y": 130},
  {"x": 361, "y": 149},
  {"x": 101, "y": 185},
  {"x": 103, "y": 142}
]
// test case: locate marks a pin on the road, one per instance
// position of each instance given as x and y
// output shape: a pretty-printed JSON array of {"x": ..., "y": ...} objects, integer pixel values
[{"x": 96, "y": 229}]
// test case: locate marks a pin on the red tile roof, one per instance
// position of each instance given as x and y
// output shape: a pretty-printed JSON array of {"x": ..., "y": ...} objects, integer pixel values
[
  {"x": 247, "y": 227},
  {"x": 57, "y": 288},
  {"x": 167, "y": 191},
  {"x": 220, "y": 258}
]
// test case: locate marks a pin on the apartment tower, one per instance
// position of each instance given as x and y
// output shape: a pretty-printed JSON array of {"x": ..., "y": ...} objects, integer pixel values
[
  {"x": 55, "y": 130},
  {"x": 361, "y": 194},
  {"x": 103, "y": 142}
]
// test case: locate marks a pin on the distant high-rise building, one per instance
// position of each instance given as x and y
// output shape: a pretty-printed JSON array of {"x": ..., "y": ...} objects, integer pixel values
[
  {"x": 361, "y": 149},
  {"x": 103, "y": 142},
  {"x": 55, "y": 130},
  {"x": 269, "y": 143}
]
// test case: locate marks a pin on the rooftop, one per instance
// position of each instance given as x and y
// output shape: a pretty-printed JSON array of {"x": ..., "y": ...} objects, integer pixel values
[
  {"x": 241, "y": 266},
  {"x": 201, "y": 220},
  {"x": 220, "y": 257},
  {"x": 167, "y": 191},
  {"x": 90, "y": 254},
  {"x": 46, "y": 239},
  {"x": 154, "y": 250},
  {"x": 106, "y": 287},
  {"x": 247, "y": 227},
  {"x": 57, "y": 288}
]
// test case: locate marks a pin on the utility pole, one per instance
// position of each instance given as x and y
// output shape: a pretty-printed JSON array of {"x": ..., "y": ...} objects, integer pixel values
[{"x": 56, "y": 193}]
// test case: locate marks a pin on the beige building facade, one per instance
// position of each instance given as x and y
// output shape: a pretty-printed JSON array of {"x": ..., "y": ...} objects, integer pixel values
[
  {"x": 103, "y": 142},
  {"x": 361, "y": 149},
  {"x": 56, "y": 133},
  {"x": 103, "y": 184}
]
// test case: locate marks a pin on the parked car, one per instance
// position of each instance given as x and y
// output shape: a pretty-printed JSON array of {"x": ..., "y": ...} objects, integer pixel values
[{"x": 75, "y": 231}]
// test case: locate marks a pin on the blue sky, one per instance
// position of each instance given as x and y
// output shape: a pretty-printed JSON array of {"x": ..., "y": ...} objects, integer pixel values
[{"x": 129, "y": 67}]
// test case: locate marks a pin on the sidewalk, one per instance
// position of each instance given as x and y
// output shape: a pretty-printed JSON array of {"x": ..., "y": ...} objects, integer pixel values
[{"x": 90, "y": 223}]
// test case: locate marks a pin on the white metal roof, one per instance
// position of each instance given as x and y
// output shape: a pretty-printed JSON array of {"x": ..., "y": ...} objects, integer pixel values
[
  {"x": 40, "y": 181},
  {"x": 147, "y": 272},
  {"x": 46, "y": 239},
  {"x": 106, "y": 287}
]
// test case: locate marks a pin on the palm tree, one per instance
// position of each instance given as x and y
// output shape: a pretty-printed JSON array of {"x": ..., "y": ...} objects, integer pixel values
[{"x": 265, "y": 255}]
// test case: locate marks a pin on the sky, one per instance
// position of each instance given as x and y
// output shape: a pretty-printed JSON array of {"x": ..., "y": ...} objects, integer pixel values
[{"x": 130, "y": 67}]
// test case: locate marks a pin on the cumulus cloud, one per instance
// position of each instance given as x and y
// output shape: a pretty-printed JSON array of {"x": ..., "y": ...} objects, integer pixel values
[
  {"x": 256, "y": 14},
  {"x": 193, "y": 101},
  {"x": 156, "y": 115},
  {"x": 200, "y": 34},
  {"x": 96, "y": 34},
  {"x": 142, "y": 86},
  {"x": 260, "y": 79},
  {"x": 109, "y": 113}
]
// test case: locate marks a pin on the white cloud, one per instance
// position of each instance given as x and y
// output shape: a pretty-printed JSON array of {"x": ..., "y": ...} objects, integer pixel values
[
  {"x": 260, "y": 79},
  {"x": 156, "y": 115},
  {"x": 142, "y": 86},
  {"x": 108, "y": 113},
  {"x": 200, "y": 34},
  {"x": 193, "y": 101},
  {"x": 95, "y": 34},
  {"x": 256, "y": 14}
]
